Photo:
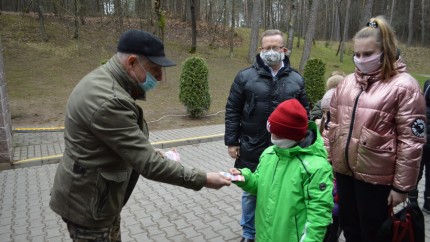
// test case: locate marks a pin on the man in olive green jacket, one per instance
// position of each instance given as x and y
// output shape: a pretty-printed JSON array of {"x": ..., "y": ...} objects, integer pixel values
[{"x": 107, "y": 145}]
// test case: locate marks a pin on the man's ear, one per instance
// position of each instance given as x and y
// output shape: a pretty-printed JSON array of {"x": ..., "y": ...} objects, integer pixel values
[{"x": 130, "y": 62}]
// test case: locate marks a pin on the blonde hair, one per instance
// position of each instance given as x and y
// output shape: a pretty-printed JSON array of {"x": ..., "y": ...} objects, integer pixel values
[
  {"x": 334, "y": 79},
  {"x": 385, "y": 37}
]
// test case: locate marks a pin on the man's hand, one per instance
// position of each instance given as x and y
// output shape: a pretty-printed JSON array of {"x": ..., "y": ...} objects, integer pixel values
[
  {"x": 396, "y": 198},
  {"x": 215, "y": 180},
  {"x": 234, "y": 151}
]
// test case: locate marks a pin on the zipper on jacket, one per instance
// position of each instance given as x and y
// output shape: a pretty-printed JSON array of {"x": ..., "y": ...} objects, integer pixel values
[
  {"x": 276, "y": 167},
  {"x": 351, "y": 127}
]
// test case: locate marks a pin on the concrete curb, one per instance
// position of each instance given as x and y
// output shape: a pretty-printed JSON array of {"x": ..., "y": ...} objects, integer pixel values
[{"x": 158, "y": 145}]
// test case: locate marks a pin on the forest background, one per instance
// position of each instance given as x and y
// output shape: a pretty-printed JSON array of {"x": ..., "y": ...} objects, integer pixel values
[{"x": 49, "y": 45}]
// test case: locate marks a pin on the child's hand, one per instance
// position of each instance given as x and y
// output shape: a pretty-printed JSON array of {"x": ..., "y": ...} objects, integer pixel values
[{"x": 235, "y": 171}]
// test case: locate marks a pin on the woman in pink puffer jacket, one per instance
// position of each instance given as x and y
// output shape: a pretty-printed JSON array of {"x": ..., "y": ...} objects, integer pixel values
[{"x": 376, "y": 133}]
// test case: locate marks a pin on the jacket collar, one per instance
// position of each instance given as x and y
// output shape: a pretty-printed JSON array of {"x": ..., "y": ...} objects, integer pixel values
[
  {"x": 115, "y": 67},
  {"x": 311, "y": 144}
]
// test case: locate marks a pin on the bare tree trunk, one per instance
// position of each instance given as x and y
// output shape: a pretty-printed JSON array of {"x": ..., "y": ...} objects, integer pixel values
[
  {"x": 232, "y": 30},
  {"x": 393, "y": 4},
  {"x": 224, "y": 17},
  {"x": 209, "y": 17},
  {"x": 423, "y": 14},
  {"x": 81, "y": 13},
  {"x": 76, "y": 33},
  {"x": 345, "y": 29},
  {"x": 253, "y": 42},
  {"x": 310, "y": 32},
  {"x": 161, "y": 18},
  {"x": 42, "y": 22},
  {"x": 119, "y": 14},
  {"x": 193, "y": 27},
  {"x": 367, "y": 13},
  {"x": 326, "y": 23},
  {"x": 291, "y": 27},
  {"x": 287, "y": 5},
  {"x": 299, "y": 25},
  {"x": 411, "y": 24}
]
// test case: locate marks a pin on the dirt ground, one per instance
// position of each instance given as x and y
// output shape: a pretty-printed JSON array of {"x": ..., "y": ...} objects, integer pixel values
[{"x": 40, "y": 75}]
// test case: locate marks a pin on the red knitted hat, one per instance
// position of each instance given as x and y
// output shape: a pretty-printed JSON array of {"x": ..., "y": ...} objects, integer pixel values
[{"x": 289, "y": 120}]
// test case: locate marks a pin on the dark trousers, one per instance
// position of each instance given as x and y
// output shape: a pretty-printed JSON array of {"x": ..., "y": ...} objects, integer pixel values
[
  {"x": 362, "y": 208},
  {"x": 425, "y": 163},
  {"x": 333, "y": 231}
]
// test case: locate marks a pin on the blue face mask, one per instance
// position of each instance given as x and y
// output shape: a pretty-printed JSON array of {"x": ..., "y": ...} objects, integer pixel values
[{"x": 150, "y": 81}]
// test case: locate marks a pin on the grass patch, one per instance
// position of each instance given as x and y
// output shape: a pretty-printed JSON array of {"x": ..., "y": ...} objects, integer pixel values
[{"x": 40, "y": 75}]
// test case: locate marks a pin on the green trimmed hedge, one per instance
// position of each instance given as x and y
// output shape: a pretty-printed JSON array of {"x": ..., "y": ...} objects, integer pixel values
[
  {"x": 194, "y": 87},
  {"x": 314, "y": 78}
]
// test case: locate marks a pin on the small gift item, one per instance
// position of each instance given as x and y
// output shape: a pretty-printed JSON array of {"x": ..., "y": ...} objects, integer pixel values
[
  {"x": 233, "y": 177},
  {"x": 172, "y": 155}
]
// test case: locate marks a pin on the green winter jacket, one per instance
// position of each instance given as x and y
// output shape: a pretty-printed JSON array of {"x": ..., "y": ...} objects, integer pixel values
[
  {"x": 294, "y": 191},
  {"x": 106, "y": 148}
]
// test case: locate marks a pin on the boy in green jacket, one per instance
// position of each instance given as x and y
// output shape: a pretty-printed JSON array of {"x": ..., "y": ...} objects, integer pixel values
[{"x": 293, "y": 181}]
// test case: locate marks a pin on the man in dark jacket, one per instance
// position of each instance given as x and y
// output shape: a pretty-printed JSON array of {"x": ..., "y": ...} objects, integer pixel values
[
  {"x": 255, "y": 93},
  {"x": 107, "y": 145}
]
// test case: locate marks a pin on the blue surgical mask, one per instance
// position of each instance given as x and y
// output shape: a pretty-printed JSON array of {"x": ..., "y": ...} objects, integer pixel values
[{"x": 150, "y": 81}]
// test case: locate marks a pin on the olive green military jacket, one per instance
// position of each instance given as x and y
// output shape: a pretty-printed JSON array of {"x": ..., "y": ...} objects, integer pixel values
[{"x": 106, "y": 148}]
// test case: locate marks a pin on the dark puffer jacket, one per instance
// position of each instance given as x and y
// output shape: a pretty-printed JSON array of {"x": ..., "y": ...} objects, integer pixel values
[
  {"x": 427, "y": 98},
  {"x": 254, "y": 94}
]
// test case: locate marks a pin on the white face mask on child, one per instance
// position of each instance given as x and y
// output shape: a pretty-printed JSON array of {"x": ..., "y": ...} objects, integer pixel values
[{"x": 283, "y": 143}]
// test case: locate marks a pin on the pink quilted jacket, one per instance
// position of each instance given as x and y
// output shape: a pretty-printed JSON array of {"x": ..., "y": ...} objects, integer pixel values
[{"x": 377, "y": 129}]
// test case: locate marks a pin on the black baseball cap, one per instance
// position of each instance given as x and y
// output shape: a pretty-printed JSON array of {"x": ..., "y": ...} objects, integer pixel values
[{"x": 143, "y": 43}]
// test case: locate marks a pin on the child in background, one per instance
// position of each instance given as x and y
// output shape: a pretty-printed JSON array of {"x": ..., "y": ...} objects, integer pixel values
[
  {"x": 293, "y": 181},
  {"x": 331, "y": 84}
]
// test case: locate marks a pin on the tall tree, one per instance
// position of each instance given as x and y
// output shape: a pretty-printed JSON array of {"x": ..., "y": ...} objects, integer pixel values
[
  {"x": 42, "y": 22},
  {"x": 76, "y": 18},
  {"x": 291, "y": 27},
  {"x": 393, "y": 4},
  {"x": 118, "y": 10},
  {"x": 345, "y": 29},
  {"x": 193, "y": 26},
  {"x": 367, "y": 13},
  {"x": 411, "y": 24},
  {"x": 310, "y": 31},
  {"x": 423, "y": 14},
  {"x": 255, "y": 20},
  {"x": 232, "y": 29}
]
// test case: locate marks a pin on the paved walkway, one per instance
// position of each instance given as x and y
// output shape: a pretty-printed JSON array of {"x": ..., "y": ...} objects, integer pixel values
[{"x": 155, "y": 211}]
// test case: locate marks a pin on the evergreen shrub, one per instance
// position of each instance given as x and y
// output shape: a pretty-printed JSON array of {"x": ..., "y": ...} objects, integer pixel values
[
  {"x": 314, "y": 80},
  {"x": 194, "y": 87}
]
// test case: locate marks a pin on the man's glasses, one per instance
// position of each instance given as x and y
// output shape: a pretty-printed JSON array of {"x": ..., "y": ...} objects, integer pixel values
[{"x": 275, "y": 48}]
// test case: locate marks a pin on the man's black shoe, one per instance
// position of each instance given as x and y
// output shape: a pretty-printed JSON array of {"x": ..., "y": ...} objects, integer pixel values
[{"x": 246, "y": 240}]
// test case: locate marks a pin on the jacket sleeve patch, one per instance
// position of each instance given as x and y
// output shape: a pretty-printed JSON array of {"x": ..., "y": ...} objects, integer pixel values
[
  {"x": 323, "y": 186},
  {"x": 419, "y": 128}
]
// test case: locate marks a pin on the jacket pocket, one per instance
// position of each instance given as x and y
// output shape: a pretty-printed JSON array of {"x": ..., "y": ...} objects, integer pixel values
[
  {"x": 109, "y": 197},
  {"x": 376, "y": 153},
  {"x": 250, "y": 105}
]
